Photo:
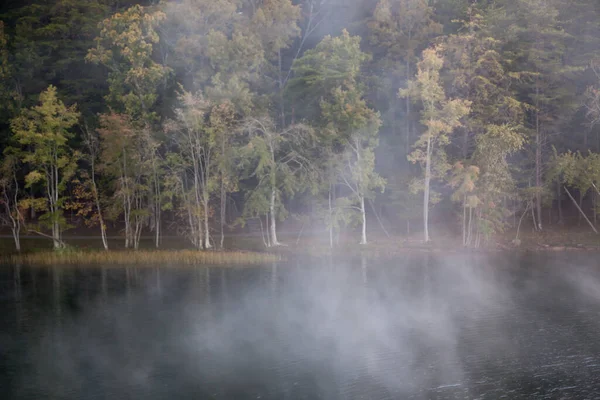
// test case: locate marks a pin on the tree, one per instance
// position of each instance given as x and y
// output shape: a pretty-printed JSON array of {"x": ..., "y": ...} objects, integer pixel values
[
  {"x": 397, "y": 32},
  {"x": 123, "y": 163},
  {"x": 125, "y": 46},
  {"x": 212, "y": 48},
  {"x": 45, "y": 130},
  {"x": 475, "y": 71},
  {"x": 5, "y": 72},
  {"x": 275, "y": 159},
  {"x": 356, "y": 126},
  {"x": 496, "y": 182},
  {"x": 440, "y": 117},
  {"x": 535, "y": 41},
  {"x": 334, "y": 62},
  {"x": 223, "y": 125},
  {"x": 349, "y": 128},
  {"x": 10, "y": 212},
  {"x": 49, "y": 40},
  {"x": 197, "y": 146},
  {"x": 92, "y": 145},
  {"x": 276, "y": 24},
  {"x": 463, "y": 180}
]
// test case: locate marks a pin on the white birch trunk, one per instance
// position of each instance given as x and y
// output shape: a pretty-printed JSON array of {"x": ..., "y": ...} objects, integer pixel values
[
  {"x": 330, "y": 220},
  {"x": 363, "y": 237},
  {"x": 273, "y": 225},
  {"x": 426, "y": 192}
]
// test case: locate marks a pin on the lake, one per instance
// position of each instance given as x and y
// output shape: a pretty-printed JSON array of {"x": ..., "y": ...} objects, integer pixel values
[{"x": 425, "y": 326}]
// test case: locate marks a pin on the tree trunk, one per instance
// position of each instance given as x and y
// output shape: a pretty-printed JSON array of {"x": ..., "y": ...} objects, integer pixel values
[
  {"x": 17, "y": 238},
  {"x": 558, "y": 196},
  {"x": 157, "y": 204},
  {"x": 273, "y": 226},
  {"x": 580, "y": 207},
  {"x": 426, "y": 192},
  {"x": 538, "y": 161},
  {"x": 56, "y": 236},
  {"x": 99, "y": 209},
  {"x": 157, "y": 233},
  {"x": 408, "y": 121},
  {"x": 223, "y": 210},
  {"x": 269, "y": 242},
  {"x": 581, "y": 211},
  {"x": 330, "y": 219},
  {"x": 521, "y": 220},
  {"x": 464, "y": 222},
  {"x": 281, "y": 102},
  {"x": 594, "y": 206},
  {"x": 363, "y": 237},
  {"x": 207, "y": 244}
]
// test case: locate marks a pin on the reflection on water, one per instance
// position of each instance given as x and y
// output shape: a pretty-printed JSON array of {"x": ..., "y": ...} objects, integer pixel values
[{"x": 420, "y": 327}]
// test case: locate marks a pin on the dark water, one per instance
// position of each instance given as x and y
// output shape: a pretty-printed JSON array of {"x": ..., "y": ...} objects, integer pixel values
[{"x": 420, "y": 327}]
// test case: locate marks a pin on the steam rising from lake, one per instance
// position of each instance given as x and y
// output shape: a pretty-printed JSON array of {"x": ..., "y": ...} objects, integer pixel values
[{"x": 419, "y": 327}]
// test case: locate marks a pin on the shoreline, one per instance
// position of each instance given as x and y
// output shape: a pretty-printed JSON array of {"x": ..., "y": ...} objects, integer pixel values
[{"x": 149, "y": 258}]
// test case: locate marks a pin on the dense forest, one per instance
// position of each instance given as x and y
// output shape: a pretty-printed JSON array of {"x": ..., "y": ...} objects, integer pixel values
[{"x": 194, "y": 117}]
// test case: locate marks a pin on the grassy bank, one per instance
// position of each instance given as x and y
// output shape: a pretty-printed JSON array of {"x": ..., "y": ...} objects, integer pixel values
[{"x": 142, "y": 258}]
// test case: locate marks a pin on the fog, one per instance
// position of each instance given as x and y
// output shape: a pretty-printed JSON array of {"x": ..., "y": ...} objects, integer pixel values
[{"x": 421, "y": 327}]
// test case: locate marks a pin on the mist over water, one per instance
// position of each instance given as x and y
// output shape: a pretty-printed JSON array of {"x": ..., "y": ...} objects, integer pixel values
[{"x": 420, "y": 327}]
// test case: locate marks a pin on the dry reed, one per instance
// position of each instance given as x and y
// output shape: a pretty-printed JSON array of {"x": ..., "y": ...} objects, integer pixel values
[{"x": 145, "y": 257}]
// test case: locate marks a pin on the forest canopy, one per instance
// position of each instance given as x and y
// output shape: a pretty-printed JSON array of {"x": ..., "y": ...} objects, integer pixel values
[{"x": 198, "y": 117}]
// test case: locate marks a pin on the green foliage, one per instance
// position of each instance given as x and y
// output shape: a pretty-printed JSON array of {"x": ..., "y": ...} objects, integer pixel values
[
  {"x": 44, "y": 132},
  {"x": 125, "y": 46},
  {"x": 275, "y": 158},
  {"x": 334, "y": 63},
  {"x": 508, "y": 79},
  {"x": 440, "y": 116}
]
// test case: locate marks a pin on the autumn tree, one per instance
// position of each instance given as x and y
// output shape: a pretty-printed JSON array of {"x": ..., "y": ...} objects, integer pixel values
[
  {"x": 122, "y": 162},
  {"x": 398, "y": 30},
  {"x": 45, "y": 131},
  {"x": 494, "y": 128},
  {"x": 125, "y": 46},
  {"x": 440, "y": 117}
]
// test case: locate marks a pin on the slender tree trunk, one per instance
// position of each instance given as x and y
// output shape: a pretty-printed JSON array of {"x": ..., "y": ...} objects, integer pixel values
[
  {"x": 538, "y": 160},
  {"x": 470, "y": 226},
  {"x": 580, "y": 207},
  {"x": 363, "y": 237},
  {"x": 464, "y": 221},
  {"x": 157, "y": 203},
  {"x": 330, "y": 219},
  {"x": 98, "y": 208},
  {"x": 558, "y": 196},
  {"x": 426, "y": 191},
  {"x": 207, "y": 244},
  {"x": 281, "y": 102},
  {"x": 262, "y": 232},
  {"x": 223, "y": 210},
  {"x": 269, "y": 241},
  {"x": 581, "y": 211},
  {"x": 521, "y": 220},
  {"x": 273, "y": 226},
  {"x": 594, "y": 206},
  {"x": 17, "y": 238},
  {"x": 408, "y": 121}
]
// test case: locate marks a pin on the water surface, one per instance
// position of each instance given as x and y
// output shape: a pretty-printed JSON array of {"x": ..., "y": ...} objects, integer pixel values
[{"x": 419, "y": 327}]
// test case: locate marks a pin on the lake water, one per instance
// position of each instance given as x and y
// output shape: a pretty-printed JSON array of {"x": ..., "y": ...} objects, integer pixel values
[{"x": 420, "y": 327}]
